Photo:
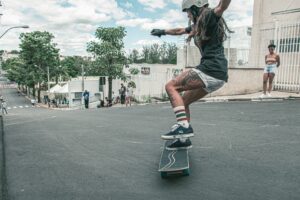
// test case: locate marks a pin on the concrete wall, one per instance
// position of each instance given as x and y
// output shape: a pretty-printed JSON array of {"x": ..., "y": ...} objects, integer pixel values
[
  {"x": 265, "y": 11},
  {"x": 241, "y": 81},
  {"x": 91, "y": 84},
  {"x": 152, "y": 84}
]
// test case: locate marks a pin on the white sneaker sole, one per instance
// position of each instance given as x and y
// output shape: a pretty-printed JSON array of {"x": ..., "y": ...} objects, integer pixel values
[{"x": 172, "y": 137}]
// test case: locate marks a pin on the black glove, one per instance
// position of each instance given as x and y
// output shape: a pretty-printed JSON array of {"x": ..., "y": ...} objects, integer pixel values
[{"x": 158, "y": 32}]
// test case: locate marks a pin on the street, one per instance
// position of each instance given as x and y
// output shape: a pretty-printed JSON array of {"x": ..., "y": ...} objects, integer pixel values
[{"x": 241, "y": 150}]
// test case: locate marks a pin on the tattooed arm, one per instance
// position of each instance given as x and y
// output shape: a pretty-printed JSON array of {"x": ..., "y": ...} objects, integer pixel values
[
  {"x": 223, "y": 5},
  {"x": 176, "y": 31}
]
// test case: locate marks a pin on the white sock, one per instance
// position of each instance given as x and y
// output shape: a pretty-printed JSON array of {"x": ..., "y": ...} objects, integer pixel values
[{"x": 181, "y": 116}]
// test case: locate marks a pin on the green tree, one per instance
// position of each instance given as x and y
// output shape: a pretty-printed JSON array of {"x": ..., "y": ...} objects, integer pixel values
[
  {"x": 134, "y": 56},
  {"x": 165, "y": 53},
  {"x": 14, "y": 52},
  {"x": 39, "y": 54},
  {"x": 109, "y": 54},
  {"x": 146, "y": 54},
  {"x": 71, "y": 66},
  {"x": 15, "y": 70},
  {"x": 154, "y": 54},
  {"x": 171, "y": 53}
]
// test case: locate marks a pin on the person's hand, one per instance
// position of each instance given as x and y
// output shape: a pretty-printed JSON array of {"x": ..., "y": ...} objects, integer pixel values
[{"x": 158, "y": 32}]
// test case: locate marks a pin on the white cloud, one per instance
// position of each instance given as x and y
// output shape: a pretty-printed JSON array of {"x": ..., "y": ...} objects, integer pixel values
[
  {"x": 161, "y": 23},
  {"x": 147, "y": 42},
  {"x": 65, "y": 19},
  {"x": 73, "y": 22},
  {"x": 151, "y": 5},
  {"x": 133, "y": 22},
  {"x": 128, "y": 5},
  {"x": 177, "y": 2},
  {"x": 175, "y": 16}
]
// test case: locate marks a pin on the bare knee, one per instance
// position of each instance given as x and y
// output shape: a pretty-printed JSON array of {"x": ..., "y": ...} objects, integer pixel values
[{"x": 169, "y": 86}]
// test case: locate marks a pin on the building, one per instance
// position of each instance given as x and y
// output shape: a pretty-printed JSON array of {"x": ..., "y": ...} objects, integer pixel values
[
  {"x": 150, "y": 81},
  {"x": 9, "y": 54},
  {"x": 278, "y": 22}
]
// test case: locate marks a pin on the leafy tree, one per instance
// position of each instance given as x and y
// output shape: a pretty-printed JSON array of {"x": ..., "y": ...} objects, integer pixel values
[
  {"x": 165, "y": 53},
  {"x": 171, "y": 53},
  {"x": 14, "y": 52},
  {"x": 154, "y": 55},
  {"x": 39, "y": 53},
  {"x": 109, "y": 54},
  {"x": 15, "y": 70},
  {"x": 71, "y": 66},
  {"x": 134, "y": 71},
  {"x": 146, "y": 54},
  {"x": 134, "y": 56}
]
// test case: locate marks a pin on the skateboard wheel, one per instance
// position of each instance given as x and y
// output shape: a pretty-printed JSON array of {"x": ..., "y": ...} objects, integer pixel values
[
  {"x": 186, "y": 172},
  {"x": 163, "y": 174}
]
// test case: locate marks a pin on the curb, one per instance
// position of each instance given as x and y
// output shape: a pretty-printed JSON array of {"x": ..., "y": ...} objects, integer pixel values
[{"x": 3, "y": 183}]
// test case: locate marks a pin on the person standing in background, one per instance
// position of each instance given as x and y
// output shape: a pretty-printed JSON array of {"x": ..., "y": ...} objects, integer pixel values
[
  {"x": 272, "y": 61},
  {"x": 86, "y": 98}
]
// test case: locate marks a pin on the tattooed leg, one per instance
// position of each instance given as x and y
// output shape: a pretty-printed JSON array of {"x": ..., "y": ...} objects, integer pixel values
[
  {"x": 191, "y": 96},
  {"x": 188, "y": 80}
]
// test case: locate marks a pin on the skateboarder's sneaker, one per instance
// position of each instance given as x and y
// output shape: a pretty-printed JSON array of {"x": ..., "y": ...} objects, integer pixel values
[
  {"x": 178, "y": 131},
  {"x": 179, "y": 144}
]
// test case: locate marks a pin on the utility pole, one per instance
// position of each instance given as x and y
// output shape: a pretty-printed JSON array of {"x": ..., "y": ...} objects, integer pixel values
[
  {"x": 82, "y": 76},
  {"x": 82, "y": 85},
  {"x": 48, "y": 75}
]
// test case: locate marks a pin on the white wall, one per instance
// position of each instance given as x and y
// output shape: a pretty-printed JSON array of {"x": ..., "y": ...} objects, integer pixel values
[
  {"x": 91, "y": 84},
  {"x": 149, "y": 85}
]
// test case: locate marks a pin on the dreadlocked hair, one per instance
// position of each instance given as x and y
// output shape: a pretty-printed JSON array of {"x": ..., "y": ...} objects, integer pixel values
[{"x": 201, "y": 26}]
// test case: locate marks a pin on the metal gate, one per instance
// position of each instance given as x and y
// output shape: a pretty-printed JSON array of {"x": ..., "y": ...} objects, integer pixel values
[
  {"x": 286, "y": 37},
  {"x": 287, "y": 40}
]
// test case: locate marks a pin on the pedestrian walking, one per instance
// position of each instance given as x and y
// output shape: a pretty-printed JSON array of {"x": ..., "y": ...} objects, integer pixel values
[
  {"x": 3, "y": 107},
  {"x": 208, "y": 30}
]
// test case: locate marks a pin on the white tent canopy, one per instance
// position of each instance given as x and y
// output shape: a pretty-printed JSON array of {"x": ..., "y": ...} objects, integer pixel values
[
  {"x": 64, "y": 89},
  {"x": 55, "y": 89}
]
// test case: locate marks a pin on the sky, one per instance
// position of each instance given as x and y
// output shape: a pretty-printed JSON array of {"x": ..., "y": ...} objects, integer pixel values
[{"x": 74, "y": 22}]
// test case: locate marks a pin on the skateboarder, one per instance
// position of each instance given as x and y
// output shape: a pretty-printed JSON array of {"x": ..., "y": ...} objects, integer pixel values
[{"x": 208, "y": 30}]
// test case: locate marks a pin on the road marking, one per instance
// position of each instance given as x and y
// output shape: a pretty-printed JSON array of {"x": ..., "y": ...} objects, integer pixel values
[
  {"x": 20, "y": 106},
  {"x": 270, "y": 125}
]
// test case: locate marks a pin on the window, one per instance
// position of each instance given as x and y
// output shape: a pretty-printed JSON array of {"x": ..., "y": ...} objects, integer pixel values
[
  {"x": 145, "y": 70},
  {"x": 78, "y": 95},
  {"x": 288, "y": 45}
]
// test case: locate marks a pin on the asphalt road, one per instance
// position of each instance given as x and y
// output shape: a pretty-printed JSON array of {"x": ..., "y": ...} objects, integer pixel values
[{"x": 242, "y": 150}]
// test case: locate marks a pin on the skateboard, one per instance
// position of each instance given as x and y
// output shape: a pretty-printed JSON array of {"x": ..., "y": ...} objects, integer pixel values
[{"x": 173, "y": 162}]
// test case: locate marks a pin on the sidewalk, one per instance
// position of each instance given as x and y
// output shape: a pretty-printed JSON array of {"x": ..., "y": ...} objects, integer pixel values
[{"x": 276, "y": 96}]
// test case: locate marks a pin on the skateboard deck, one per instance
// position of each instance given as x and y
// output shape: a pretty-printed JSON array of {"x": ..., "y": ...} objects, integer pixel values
[{"x": 173, "y": 162}]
